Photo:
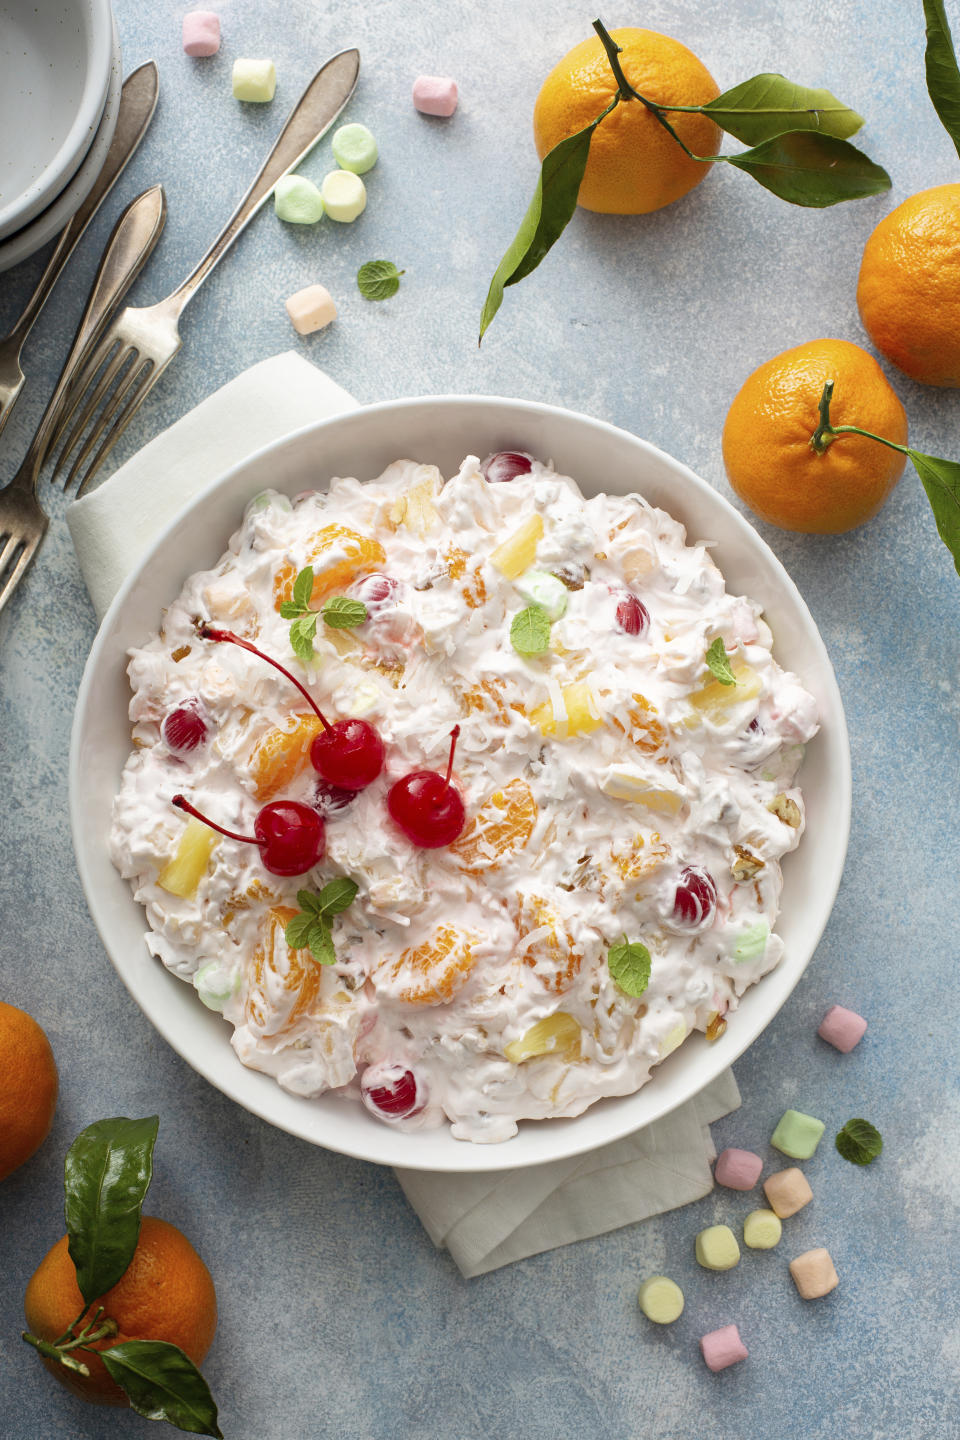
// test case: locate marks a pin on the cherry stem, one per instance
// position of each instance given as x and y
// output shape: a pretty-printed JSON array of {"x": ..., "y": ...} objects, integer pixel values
[
  {"x": 454, "y": 737},
  {"x": 826, "y": 433},
  {"x": 210, "y": 632},
  {"x": 182, "y": 803}
]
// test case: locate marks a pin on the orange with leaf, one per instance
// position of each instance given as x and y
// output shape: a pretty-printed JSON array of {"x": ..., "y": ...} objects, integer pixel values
[{"x": 28, "y": 1087}]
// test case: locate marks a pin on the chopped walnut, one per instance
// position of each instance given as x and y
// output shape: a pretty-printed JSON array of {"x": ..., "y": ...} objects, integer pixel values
[
  {"x": 786, "y": 810},
  {"x": 572, "y": 575},
  {"x": 746, "y": 864},
  {"x": 181, "y": 653},
  {"x": 716, "y": 1025}
]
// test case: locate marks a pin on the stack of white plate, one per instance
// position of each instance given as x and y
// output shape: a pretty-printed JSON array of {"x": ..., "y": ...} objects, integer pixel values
[{"x": 60, "y": 78}]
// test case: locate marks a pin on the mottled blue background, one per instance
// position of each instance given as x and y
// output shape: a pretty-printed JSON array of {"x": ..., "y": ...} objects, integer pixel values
[{"x": 338, "y": 1318}]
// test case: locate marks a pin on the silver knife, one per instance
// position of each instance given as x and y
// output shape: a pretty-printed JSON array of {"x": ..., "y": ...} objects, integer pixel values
[{"x": 138, "y": 100}]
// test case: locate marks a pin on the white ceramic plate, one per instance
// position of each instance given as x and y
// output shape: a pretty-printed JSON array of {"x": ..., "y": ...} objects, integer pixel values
[
  {"x": 442, "y": 430},
  {"x": 55, "y": 61},
  {"x": 51, "y": 221}
]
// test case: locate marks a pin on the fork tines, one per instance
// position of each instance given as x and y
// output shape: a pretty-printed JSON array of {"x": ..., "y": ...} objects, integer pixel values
[{"x": 107, "y": 396}]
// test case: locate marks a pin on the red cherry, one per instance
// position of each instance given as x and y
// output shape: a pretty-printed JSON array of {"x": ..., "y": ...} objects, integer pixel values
[
  {"x": 331, "y": 799},
  {"x": 291, "y": 836},
  {"x": 348, "y": 754},
  {"x": 184, "y": 728},
  {"x": 506, "y": 465},
  {"x": 390, "y": 1092},
  {"x": 426, "y": 807},
  {"x": 632, "y": 615},
  {"x": 376, "y": 589},
  {"x": 696, "y": 897}
]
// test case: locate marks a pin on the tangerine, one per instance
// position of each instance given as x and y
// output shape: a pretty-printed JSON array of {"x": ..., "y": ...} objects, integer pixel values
[
  {"x": 165, "y": 1293},
  {"x": 359, "y": 556},
  {"x": 908, "y": 292},
  {"x": 281, "y": 755},
  {"x": 433, "y": 972},
  {"x": 28, "y": 1087},
  {"x": 502, "y": 824},
  {"x": 767, "y": 448},
  {"x": 635, "y": 165},
  {"x": 283, "y": 980}
]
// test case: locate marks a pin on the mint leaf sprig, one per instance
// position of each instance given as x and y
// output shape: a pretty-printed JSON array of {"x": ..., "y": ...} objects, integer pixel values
[
  {"x": 629, "y": 964},
  {"x": 718, "y": 663},
  {"x": 859, "y": 1142},
  {"x": 530, "y": 631},
  {"x": 378, "y": 279},
  {"x": 340, "y": 612},
  {"x": 311, "y": 929},
  {"x": 940, "y": 478},
  {"x": 106, "y": 1177},
  {"x": 800, "y": 152}
]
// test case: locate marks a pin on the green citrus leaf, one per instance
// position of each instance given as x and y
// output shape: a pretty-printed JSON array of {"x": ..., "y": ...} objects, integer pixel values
[
  {"x": 941, "y": 480},
  {"x": 629, "y": 964},
  {"x": 297, "y": 931},
  {"x": 379, "y": 279},
  {"x": 337, "y": 895},
  {"x": 342, "y": 613},
  {"x": 302, "y": 632},
  {"x": 943, "y": 75},
  {"x": 719, "y": 663},
  {"x": 804, "y": 167},
  {"x": 767, "y": 105},
  {"x": 530, "y": 631},
  {"x": 549, "y": 214},
  {"x": 859, "y": 1142},
  {"x": 107, "y": 1173},
  {"x": 162, "y": 1383},
  {"x": 303, "y": 589}
]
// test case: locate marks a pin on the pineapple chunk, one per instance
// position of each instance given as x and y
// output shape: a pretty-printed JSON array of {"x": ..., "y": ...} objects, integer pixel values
[
  {"x": 624, "y": 782},
  {"x": 672, "y": 1039},
  {"x": 557, "y": 1034},
  {"x": 519, "y": 550},
  {"x": 581, "y": 713},
  {"x": 714, "y": 699},
  {"x": 415, "y": 508},
  {"x": 182, "y": 874}
]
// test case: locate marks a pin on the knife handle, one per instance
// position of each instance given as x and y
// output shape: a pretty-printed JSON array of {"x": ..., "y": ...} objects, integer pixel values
[{"x": 309, "y": 120}]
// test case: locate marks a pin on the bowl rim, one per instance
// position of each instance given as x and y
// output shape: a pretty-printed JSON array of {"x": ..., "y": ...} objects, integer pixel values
[
  {"x": 264, "y": 1100},
  {"x": 56, "y": 175}
]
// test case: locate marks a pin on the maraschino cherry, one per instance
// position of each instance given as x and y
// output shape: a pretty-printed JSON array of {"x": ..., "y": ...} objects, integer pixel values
[
  {"x": 184, "y": 727},
  {"x": 348, "y": 753},
  {"x": 427, "y": 808},
  {"x": 506, "y": 465},
  {"x": 632, "y": 615},
  {"x": 390, "y": 1091},
  {"x": 695, "y": 898},
  {"x": 292, "y": 837}
]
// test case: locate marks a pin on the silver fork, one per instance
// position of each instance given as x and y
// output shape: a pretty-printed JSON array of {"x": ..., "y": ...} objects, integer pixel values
[
  {"x": 140, "y": 343},
  {"x": 23, "y": 521}
]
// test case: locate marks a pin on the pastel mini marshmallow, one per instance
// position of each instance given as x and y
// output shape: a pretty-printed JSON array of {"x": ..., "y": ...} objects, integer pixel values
[
  {"x": 814, "y": 1274},
  {"x": 723, "y": 1347},
  {"x": 737, "y": 1169},
  {"x": 354, "y": 148},
  {"x": 201, "y": 33},
  {"x": 435, "y": 94},
  {"x": 842, "y": 1028},
  {"x": 344, "y": 195},
  {"x": 311, "y": 309},
  {"x": 797, "y": 1135},
  {"x": 762, "y": 1230},
  {"x": 717, "y": 1248},
  {"x": 254, "y": 81},
  {"x": 297, "y": 200},
  {"x": 661, "y": 1299},
  {"x": 787, "y": 1192}
]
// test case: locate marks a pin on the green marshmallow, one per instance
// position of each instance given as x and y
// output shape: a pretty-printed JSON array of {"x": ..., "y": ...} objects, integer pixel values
[
  {"x": 762, "y": 1230},
  {"x": 797, "y": 1135},
  {"x": 717, "y": 1248},
  {"x": 354, "y": 149},
  {"x": 661, "y": 1300},
  {"x": 539, "y": 588},
  {"x": 751, "y": 943},
  {"x": 214, "y": 985},
  {"x": 297, "y": 200}
]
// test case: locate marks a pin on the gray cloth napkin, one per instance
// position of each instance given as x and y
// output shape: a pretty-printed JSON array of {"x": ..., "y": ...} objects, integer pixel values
[{"x": 486, "y": 1220}]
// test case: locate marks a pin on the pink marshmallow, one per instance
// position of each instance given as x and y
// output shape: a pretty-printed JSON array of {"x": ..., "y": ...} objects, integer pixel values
[
  {"x": 842, "y": 1028},
  {"x": 201, "y": 32},
  {"x": 435, "y": 94},
  {"x": 723, "y": 1347},
  {"x": 738, "y": 1169}
]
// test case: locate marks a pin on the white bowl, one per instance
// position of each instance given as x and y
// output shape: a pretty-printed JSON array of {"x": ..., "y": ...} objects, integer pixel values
[
  {"x": 442, "y": 430},
  {"x": 55, "y": 60},
  {"x": 45, "y": 226}
]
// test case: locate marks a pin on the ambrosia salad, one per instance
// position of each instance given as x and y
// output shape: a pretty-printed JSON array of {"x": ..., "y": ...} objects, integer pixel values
[{"x": 602, "y": 873}]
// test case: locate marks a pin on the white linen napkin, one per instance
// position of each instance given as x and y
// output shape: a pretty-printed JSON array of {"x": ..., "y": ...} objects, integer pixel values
[{"x": 483, "y": 1220}]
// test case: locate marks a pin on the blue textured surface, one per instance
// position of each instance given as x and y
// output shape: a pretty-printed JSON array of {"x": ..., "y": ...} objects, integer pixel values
[{"x": 338, "y": 1319}]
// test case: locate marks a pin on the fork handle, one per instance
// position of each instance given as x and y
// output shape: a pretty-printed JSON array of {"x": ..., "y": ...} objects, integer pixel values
[
  {"x": 320, "y": 104},
  {"x": 127, "y": 251}
]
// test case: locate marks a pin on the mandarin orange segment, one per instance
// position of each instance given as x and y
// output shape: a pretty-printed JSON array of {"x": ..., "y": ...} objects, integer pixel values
[
  {"x": 353, "y": 555},
  {"x": 284, "y": 984},
  {"x": 281, "y": 755},
  {"x": 640, "y": 857},
  {"x": 433, "y": 972},
  {"x": 503, "y": 824},
  {"x": 646, "y": 731},
  {"x": 553, "y": 954}
]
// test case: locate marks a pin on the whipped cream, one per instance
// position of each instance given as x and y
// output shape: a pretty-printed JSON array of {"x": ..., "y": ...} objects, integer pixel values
[{"x": 596, "y": 776}]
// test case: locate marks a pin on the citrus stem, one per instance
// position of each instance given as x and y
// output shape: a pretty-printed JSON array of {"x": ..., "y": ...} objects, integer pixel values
[
  {"x": 625, "y": 91},
  {"x": 825, "y": 433},
  {"x": 55, "y": 1353}
]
